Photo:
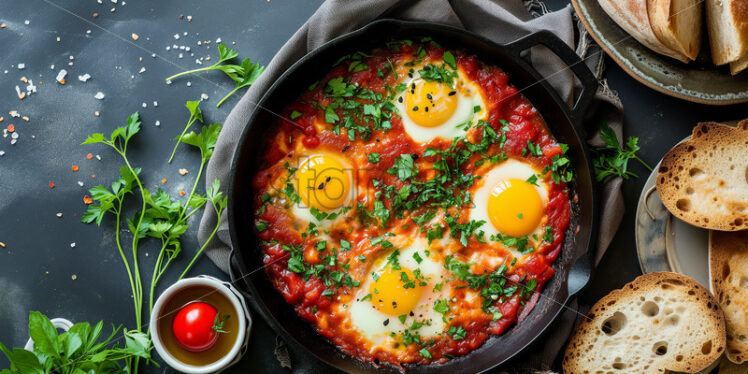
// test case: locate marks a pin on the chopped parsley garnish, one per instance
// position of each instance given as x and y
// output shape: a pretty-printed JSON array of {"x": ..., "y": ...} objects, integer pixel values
[
  {"x": 374, "y": 157},
  {"x": 431, "y": 72},
  {"x": 417, "y": 257},
  {"x": 295, "y": 114},
  {"x": 457, "y": 332},
  {"x": 425, "y": 353},
  {"x": 450, "y": 60}
]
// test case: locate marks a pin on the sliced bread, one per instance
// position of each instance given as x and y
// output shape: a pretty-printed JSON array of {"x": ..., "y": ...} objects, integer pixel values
[
  {"x": 677, "y": 24},
  {"x": 660, "y": 322},
  {"x": 728, "y": 265},
  {"x": 727, "y": 21},
  {"x": 704, "y": 180},
  {"x": 632, "y": 17}
]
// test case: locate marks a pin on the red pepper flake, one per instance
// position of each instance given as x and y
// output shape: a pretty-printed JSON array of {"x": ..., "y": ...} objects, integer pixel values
[
  {"x": 96, "y": 15},
  {"x": 51, "y": 185},
  {"x": 93, "y": 176},
  {"x": 89, "y": 156},
  {"x": 182, "y": 192},
  {"x": 11, "y": 128},
  {"x": 87, "y": 200},
  {"x": 75, "y": 168},
  {"x": 163, "y": 181}
]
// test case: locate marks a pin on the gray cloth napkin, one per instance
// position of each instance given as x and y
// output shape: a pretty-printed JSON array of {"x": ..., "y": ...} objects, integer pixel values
[{"x": 500, "y": 21}]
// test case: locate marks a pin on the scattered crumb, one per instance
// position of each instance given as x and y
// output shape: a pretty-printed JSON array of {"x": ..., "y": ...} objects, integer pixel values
[
  {"x": 61, "y": 76},
  {"x": 72, "y": 245},
  {"x": 59, "y": 214},
  {"x": 99, "y": 95},
  {"x": 134, "y": 36},
  {"x": 85, "y": 77},
  {"x": 74, "y": 277},
  {"x": 2, "y": 244},
  {"x": 183, "y": 171},
  {"x": 204, "y": 96},
  {"x": 96, "y": 113}
]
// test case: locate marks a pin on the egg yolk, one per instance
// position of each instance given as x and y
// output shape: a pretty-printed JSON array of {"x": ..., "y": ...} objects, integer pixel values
[
  {"x": 430, "y": 104},
  {"x": 390, "y": 295},
  {"x": 515, "y": 207},
  {"x": 323, "y": 182}
]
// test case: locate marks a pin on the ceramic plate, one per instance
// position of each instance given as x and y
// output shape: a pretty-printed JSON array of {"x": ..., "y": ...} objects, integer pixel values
[{"x": 699, "y": 81}]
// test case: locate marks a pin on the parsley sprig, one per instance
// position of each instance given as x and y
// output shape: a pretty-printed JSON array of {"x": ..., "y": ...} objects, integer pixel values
[
  {"x": 612, "y": 158},
  {"x": 159, "y": 216},
  {"x": 243, "y": 74}
]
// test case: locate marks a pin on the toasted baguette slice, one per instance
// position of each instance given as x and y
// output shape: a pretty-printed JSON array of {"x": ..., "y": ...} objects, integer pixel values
[
  {"x": 659, "y": 322},
  {"x": 737, "y": 66},
  {"x": 632, "y": 17},
  {"x": 728, "y": 270},
  {"x": 703, "y": 182},
  {"x": 727, "y": 21},
  {"x": 677, "y": 24}
]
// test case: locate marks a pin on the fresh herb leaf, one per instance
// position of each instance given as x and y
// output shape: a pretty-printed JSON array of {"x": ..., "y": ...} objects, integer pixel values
[{"x": 612, "y": 159}]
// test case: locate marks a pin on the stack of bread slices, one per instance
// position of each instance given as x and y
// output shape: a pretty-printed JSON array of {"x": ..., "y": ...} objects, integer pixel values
[
  {"x": 674, "y": 27},
  {"x": 704, "y": 181}
]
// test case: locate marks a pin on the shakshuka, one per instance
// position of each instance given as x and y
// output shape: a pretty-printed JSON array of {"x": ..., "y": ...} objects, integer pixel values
[{"x": 411, "y": 203}]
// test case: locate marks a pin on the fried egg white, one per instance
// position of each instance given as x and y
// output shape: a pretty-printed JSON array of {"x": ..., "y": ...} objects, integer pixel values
[
  {"x": 431, "y": 109},
  {"x": 324, "y": 183},
  {"x": 508, "y": 203},
  {"x": 383, "y": 302}
]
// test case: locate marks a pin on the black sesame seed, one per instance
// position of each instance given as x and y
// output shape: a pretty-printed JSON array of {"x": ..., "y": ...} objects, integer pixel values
[
  {"x": 386, "y": 322},
  {"x": 410, "y": 75},
  {"x": 415, "y": 108},
  {"x": 428, "y": 96},
  {"x": 451, "y": 93},
  {"x": 321, "y": 186},
  {"x": 346, "y": 148},
  {"x": 414, "y": 156},
  {"x": 426, "y": 109},
  {"x": 328, "y": 179},
  {"x": 427, "y": 67},
  {"x": 400, "y": 99},
  {"x": 411, "y": 313},
  {"x": 413, "y": 86}
]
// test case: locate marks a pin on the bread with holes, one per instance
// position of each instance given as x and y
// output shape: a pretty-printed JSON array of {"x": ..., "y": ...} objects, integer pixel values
[
  {"x": 728, "y": 271},
  {"x": 727, "y": 23},
  {"x": 677, "y": 24},
  {"x": 632, "y": 17},
  {"x": 658, "y": 323},
  {"x": 704, "y": 180}
]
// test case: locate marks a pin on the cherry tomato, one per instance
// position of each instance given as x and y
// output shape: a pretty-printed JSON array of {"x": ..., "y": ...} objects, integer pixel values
[{"x": 194, "y": 326}]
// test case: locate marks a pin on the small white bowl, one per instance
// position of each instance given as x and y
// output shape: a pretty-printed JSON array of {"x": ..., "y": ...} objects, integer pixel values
[{"x": 241, "y": 339}]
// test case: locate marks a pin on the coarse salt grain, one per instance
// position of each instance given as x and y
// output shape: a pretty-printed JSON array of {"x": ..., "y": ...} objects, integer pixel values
[
  {"x": 181, "y": 55},
  {"x": 145, "y": 105},
  {"x": 158, "y": 123},
  {"x": 72, "y": 245},
  {"x": 204, "y": 96},
  {"x": 176, "y": 36},
  {"x": 80, "y": 183},
  {"x": 85, "y": 77},
  {"x": 155, "y": 103},
  {"x": 218, "y": 40},
  {"x": 99, "y": 95},
  {"x": 14, "y": 113},
  {"x": 189, "y": 84},
  {"x": 52, "y": 67},
  {"x": 59, "y": 214},
  {"x": 21, "y": 66},
  {"x": 61, "y": 76},
  {"x": 134, "y": 36},
  {"x": 2, "y": 153},
  {"x": 142, "y": 70},
  {"x": 26, "y": 22}
]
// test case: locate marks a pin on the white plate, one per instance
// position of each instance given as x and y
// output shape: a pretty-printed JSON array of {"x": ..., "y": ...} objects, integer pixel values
[{"x": 665, "y": 243}]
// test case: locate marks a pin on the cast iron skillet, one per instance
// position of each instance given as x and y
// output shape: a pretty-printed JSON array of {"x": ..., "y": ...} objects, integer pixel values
[{"x": 572, "y": 266}]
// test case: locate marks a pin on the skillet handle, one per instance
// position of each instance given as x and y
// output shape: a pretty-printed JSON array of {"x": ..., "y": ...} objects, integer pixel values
[
  {"x": 572, "y": 61},
  {"x": 237, "y": 279},
  {"x": 579, "y": 274}
]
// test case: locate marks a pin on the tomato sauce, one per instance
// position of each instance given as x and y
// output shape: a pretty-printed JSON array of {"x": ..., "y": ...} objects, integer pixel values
[{"x": 507, "y": 104}]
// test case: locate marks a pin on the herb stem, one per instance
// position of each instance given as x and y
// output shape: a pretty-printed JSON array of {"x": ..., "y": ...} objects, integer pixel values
[
  {"x": 135, "y": 239},
  {"x": 643, "y": 163},
  {"x": 227, "y": 96},
  {"x": 207, "y": 241},
  {"x": 190, "y": 72},
  {"x": 192, "y": 120},
  {"x": 122, "y": 252},
  {"x": 156, "y": 274}
]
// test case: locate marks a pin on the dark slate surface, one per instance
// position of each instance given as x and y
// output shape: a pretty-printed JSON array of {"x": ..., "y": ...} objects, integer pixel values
[{"x": 38, "y": 264}]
